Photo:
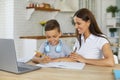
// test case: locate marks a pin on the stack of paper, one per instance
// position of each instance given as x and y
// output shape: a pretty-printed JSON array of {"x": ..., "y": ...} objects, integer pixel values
[
  {"x": 68, "y": 65},
  {"x": 116, "y": 74}
]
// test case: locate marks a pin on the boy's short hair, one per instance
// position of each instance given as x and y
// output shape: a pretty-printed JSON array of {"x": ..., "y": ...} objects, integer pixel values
[{"x": 51, "y": 25}]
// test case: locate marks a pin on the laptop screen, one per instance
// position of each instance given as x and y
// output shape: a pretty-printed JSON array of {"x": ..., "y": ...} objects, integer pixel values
[{"x": 8, "y": 59}]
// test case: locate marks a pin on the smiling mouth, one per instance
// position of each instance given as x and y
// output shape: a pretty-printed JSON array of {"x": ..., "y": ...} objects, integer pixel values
[
  {"x": 53, "y": 43},
  {"x": 79, "y": 30}
]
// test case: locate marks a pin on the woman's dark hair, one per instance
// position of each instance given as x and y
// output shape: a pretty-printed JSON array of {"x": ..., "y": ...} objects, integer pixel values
[
  {"x": 86, "y": 15},
  {"x": 51, "y": 25}
]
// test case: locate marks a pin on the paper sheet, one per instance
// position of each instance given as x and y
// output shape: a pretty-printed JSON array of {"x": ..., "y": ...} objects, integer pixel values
[{"x": 68, "y": 65}]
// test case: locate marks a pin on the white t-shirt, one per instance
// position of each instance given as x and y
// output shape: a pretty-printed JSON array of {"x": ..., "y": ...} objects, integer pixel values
[{"x": 91, "y": 48}]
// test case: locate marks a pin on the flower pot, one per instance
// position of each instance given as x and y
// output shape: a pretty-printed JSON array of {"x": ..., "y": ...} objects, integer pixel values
[{"x": 109, "y": 15}]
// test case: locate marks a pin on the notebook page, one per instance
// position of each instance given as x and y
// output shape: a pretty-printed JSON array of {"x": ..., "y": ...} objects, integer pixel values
[{"x": 68, "y": 65}]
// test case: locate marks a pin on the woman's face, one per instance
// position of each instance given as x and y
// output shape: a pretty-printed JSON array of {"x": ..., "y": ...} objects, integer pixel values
[
  {"x": 53, "y": 36},
  {"x": 81, "y": 25}
]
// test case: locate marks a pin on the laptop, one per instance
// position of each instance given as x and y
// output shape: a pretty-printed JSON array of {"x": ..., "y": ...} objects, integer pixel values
[{"x": 8, "y": 59}]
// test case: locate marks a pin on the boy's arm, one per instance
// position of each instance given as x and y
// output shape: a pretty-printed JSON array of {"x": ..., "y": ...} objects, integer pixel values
[
  {"x": 44, "y": 59},
  {"x": 37, "y": 58}
]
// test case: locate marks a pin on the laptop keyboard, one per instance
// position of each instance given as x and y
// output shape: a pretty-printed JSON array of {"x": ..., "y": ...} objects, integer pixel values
[{"x": 23, "y": 69}]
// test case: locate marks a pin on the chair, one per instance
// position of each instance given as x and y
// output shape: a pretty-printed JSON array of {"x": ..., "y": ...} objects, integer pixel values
[{"x": 115, "y": 59}]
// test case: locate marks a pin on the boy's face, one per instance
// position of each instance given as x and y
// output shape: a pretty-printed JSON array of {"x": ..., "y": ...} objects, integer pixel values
[{"x": 53, "y": 36}]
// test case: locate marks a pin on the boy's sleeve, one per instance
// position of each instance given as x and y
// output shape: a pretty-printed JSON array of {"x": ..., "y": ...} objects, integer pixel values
[
  {"x": 67, "y": 50},
  {"x": 41, "y": 49}
]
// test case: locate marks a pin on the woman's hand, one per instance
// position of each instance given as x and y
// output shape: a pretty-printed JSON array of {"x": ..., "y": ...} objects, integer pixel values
[{"x": 77, "y": 57}]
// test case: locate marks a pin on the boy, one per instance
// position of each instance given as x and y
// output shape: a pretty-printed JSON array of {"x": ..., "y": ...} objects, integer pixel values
[{"x": 53, "y": 49}]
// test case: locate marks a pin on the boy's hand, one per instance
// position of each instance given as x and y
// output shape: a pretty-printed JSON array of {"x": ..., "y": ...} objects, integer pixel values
[
  {"x": 38, "y": 54},
  {"x": 46, "y": 59},
  {"x": 36, "y": 60},
  {"x": 41, "y": 58}
]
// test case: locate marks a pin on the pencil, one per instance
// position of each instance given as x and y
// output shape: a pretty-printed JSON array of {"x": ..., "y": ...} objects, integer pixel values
[{"x": 38, "y": 54}]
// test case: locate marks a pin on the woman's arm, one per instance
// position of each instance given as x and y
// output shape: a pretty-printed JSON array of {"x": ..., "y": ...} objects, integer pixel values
[
  {"x": 108, "y": 59},
  {"x": 63, "y": 59}
]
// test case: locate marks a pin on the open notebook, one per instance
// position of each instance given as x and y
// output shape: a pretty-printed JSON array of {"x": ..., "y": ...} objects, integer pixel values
[{"x": 67, "y": 65}]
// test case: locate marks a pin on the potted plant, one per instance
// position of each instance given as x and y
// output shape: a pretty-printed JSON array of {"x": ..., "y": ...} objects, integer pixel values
[
  {"x": 112, "y": 9},
  {"x": 112, "y": 31},
  {"x": 42, "y": 23}
]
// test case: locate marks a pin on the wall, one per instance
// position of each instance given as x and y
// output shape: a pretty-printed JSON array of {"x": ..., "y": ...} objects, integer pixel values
[
  {"x": 118, "y": 3},
  {"x": 6, "y": 19},
  {"x": 2, "y": 18}
]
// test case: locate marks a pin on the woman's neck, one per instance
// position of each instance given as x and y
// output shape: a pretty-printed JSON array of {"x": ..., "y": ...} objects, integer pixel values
[{"x": 86, "y": 35}]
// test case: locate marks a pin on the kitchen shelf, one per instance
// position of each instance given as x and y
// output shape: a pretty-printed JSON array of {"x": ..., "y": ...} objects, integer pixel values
[
  {"x": 43, "y": 9},
  {"x": 30, "y": 10},
  {"x": 113, "y": 32}
]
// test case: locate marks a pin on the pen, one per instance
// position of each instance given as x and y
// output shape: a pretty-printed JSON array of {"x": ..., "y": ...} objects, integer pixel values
[{"x": 74, "y": 50}]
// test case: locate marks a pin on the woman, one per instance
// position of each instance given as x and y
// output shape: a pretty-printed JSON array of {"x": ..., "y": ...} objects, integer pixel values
[{"x": 92, "y": 46}]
